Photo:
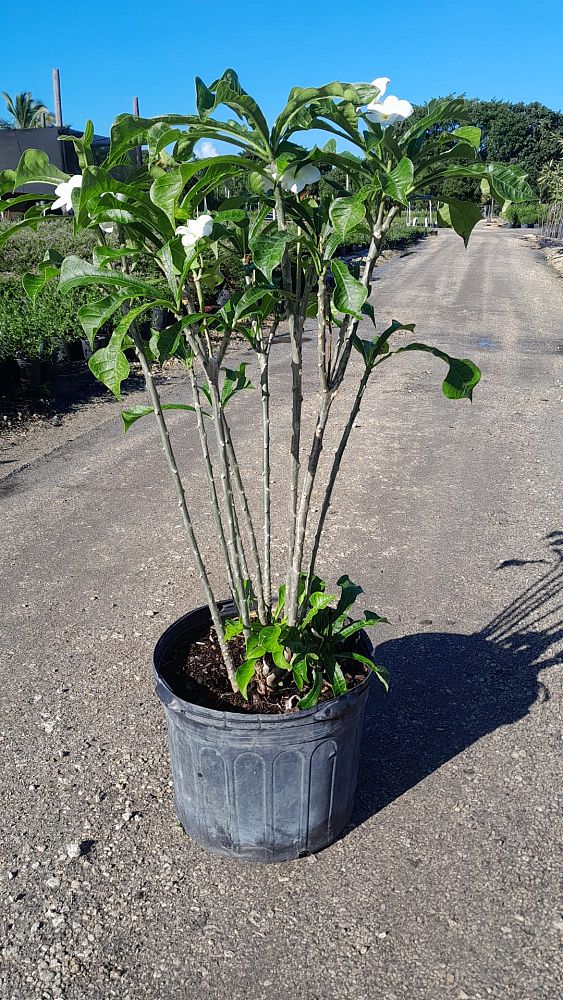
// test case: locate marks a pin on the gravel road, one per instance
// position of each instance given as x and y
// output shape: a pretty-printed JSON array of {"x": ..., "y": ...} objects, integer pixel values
[{"x": 448, "y": 884}]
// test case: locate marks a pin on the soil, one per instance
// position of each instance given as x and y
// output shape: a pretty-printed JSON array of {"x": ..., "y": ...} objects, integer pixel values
[{"x": 197, "y": 675}]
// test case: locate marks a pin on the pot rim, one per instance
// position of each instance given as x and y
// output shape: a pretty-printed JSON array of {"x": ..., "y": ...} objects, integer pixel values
[{"x": 258, "y": 719}]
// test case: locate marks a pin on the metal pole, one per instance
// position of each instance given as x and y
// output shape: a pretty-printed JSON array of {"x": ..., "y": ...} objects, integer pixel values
[{"x": 57, "y": 98}]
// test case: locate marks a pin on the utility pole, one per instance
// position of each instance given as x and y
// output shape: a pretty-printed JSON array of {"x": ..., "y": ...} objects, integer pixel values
[
  {"x": 137, "y": 151},
  {"x": 57, "y": 98}
]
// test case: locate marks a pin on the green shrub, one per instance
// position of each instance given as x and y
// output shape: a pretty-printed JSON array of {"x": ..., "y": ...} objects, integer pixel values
[
  {"x": 27, "y": 248},
  {"x": 528, "y": 213},
  {"x": 33, "y": 330},
  {"x": 399, "y": 236}
]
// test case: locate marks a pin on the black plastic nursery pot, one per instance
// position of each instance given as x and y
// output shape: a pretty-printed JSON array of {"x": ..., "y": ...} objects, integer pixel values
[{"x": 261, "y": 788}]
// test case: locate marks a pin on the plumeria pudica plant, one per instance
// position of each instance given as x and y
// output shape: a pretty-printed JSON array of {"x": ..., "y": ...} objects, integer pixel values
[{"x": 288, "y": 238}]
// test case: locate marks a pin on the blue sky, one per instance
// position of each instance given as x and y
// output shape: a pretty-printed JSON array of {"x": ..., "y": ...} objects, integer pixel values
[{"x": 108, "y": 52}]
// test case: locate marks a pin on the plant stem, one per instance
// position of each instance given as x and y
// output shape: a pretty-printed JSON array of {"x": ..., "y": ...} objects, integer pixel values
[
  {"x": 181, "y": 500},
  {"x": 335, "y": 470},
  {"x": 321, "y": 333},
  {"x": 264, "y": 359},
  {"x": 301, "y": 527},
  {"x": 235, "y": 473},
  {"x": 233, "y": 538},
  {"x": 210, "y": 477},
  {"x": 295, "y": 338},
  {"x": 382, "y": 225}
]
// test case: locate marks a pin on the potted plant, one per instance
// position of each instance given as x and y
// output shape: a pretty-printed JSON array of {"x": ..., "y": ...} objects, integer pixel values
[{"x": 264, "y": 686}]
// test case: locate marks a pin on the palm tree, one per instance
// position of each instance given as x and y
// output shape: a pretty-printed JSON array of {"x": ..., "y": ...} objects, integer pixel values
[{"x": 26, "y": 112}]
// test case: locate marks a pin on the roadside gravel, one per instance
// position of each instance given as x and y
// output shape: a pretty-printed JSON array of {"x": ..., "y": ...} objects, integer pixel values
[{"x": 448, "y": 885}]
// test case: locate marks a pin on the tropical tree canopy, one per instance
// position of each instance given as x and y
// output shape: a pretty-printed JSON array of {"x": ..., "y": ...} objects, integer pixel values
[
  {"x": 25, "y": 111},
  {"x": 528, "y": 135}
]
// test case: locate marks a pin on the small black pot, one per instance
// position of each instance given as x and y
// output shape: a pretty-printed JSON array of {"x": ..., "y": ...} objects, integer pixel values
[
  {"x": 260, "y": 787},
  {"x": 31, "y": 372}
]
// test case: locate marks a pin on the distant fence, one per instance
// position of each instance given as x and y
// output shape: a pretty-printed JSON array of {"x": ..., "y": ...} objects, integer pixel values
[{"x": 552, "y": 228}]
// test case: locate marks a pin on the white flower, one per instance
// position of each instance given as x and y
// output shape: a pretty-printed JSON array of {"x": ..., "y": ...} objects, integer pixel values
[
  {"x": 388, "y": 111},
  {"x": 381, "y": 83},
  {"x": 106, "y": 227},
  {"x": 194, "y": 230},
  {"x": 295, "y": 180},
  {"x": 64, "y": 192}
]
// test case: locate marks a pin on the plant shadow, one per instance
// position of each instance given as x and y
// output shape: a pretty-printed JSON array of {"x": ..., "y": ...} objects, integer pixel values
[{"x": 448, "y": 690}]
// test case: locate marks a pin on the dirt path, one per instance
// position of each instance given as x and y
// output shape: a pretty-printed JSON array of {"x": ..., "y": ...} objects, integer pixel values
[{"x": 447, "y": 886}]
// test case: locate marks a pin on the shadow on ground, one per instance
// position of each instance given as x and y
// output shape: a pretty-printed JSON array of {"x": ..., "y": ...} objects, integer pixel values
[{"x": 448, "y": 690}]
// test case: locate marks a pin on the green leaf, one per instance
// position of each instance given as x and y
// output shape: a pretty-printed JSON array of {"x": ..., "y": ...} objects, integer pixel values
[
  {"x": 234, "y": 381},
  {"x": 129, "y": 417},
  {"x": 7, "y": 234},
  {"x": 300, "y": 674},
  {"x": 318, "y": 601},
  {"x": 463, "y": 375},
  {"x": 281, "y": 602},
  {"x": 110, "y": 366},
  {"x": 254, "y": 650},
  {"x": 349, "y": 294},
  {"x": 469, "y": 133},
  {"x": 311, "y": 699},
  {"x": 76, "y": 272},
  {"x": 160, "y": 135},
  {"x": 82, "y": 144},
  {"x": 105, "y": 255},
  {"x": 228, "y": 91},
  {"x": 509, "y": 182},
  {"x": 232, "y": 627},
  {"x": 246, "y": 304},
  {"x": 350, "y": 593},
  {"x": 35, "y": 283},
  {"x": 352, "y": 94},
  {"x": 7, "y": 181},
  {"x": 165, "y": 192},
  {"x": 93, "y": 315},
  {"x": 338, "y": 681},
  {"x": 462, "y": 216},
  {"x": 129, "y": 318},
  {"x": 244, "y": 675},
  {"x": 346, "y": 214},
  {"x": 398, "y": 183},
  {"x": 380, "y": 672},
  {"x": 205, "y": 99},
  {"x": 279, "y": 659},
  {"x": 368, "y": 310},
  {"x": 439, "y": 112},
  {"x": 169, "y": 343},
  {"x": 268, "y": 637},
  {"x": 369, "y": 620},
  {"x": 268, "y": 251},
  {"x": 34, "y": 167}
]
